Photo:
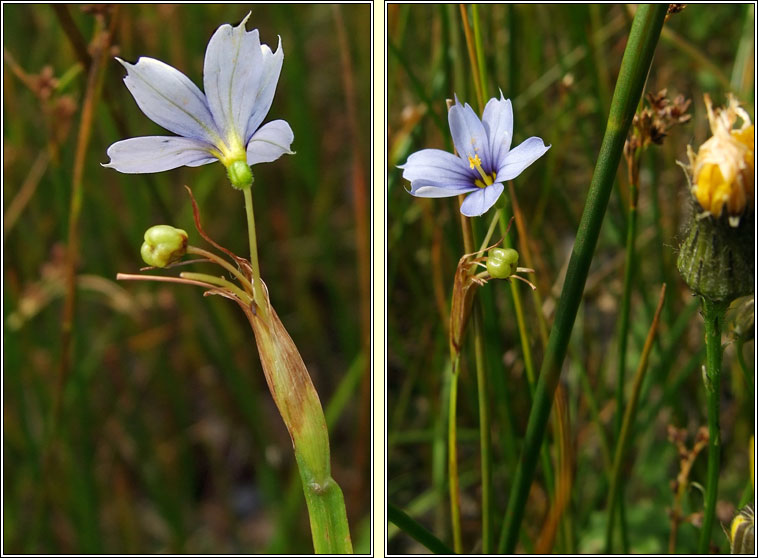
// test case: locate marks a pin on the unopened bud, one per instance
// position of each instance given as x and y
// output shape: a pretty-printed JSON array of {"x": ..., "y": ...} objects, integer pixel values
[
  {"x": 163, "y": 245},
  {"x": 502, "y": 262}
]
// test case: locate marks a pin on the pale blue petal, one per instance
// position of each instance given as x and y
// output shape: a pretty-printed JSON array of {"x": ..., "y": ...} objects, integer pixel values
[
  {"x": 478, "y": 203},
  {"x": 271, "y": 68},
  {"x": 270, "y": 142},
  {"x": 469, "y": 135},
  {"x": 498, "y": 121},
  {"x": 170, "y": 99},
  {"x": 157, "y": 153},
  {"x": 521, "y": 157},
  {"x": 231, "y": 75},
  {"x": 438, "y": 166},
  {"x": 430, "y": 189}
]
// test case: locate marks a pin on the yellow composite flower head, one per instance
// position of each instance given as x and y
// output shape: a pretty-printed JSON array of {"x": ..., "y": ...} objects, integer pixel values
[{"x": 723, "y": 168}]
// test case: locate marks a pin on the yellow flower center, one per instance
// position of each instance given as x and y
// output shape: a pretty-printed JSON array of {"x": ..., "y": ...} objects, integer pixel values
[{"x": 476, "y": 163}]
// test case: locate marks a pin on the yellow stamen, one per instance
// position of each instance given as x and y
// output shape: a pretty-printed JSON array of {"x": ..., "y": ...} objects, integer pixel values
[{"x": 476, "y": 163}]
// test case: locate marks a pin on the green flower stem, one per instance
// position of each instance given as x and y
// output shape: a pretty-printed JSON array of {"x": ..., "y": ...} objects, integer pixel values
[
  {"x": 713, "y": 313},
  {"x": 646, "y": 29},
  {"x": 485, "y": 438},
  {"x": 225, "y": 264},
  {"x": 452, "y": 436},
  {"x": 626, "y": 425},
  {"x": 490, "y": 230},
  {"x": 472, "y": 56},
  {"x": 629, "y": 267},
  {"x": 412, "y": 528},
  {"x": 479, "y": 49},
  {"x": 452, "y": 457},
  {"x": 629, "y": 264},
  {"x": 523, "y": 335},
  {"x": 101, "y": 43},
  {"x": 526, "y": 351},
  {"x": 255, "y": 268}
]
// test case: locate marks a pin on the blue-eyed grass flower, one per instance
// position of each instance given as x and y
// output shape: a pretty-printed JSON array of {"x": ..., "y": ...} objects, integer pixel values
[
  {"x": 223, "y": 124},
  {"x": 484, "y": 159}
]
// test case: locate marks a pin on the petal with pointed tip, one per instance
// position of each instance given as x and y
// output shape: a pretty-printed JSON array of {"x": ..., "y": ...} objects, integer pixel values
[
  {"x": 438, "y": 166},
  {"x": 270, "y": 142},
  {"x": 231, "y": 75},
  {"x": 498, "y": 121},
  {"x": 431, "y": 189},
  {"x": 157, "y": 153},
  {"x": 521, "y": 157},
  {"x": 271, "y": 68}
]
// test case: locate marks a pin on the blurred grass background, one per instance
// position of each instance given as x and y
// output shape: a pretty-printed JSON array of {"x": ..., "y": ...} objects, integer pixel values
[
  {"x": 167, "y": 439},
  {"x": 558, "y": 64}
]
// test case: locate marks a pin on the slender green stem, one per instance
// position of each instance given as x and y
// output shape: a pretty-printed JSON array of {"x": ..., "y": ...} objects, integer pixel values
[
  {"x": 528, "y": 360},
  {"x": 259, "y": 297},
  {"x": 414, "y": 529},
  {"x": 629, "y": 267},
  {"x": 513, "y": 41},
  {"x": 439, "y": 452},
  {"x": 638, "y": 55},
  {"x": 101, "y": 43},
  {"x": 523, "y": 334},
  {"x": 491, "y": 229},
  {"x": 485, "y": 438},
  {"x": 481, "y": 66},
  {"x": 626, "y": 426},
  {"x": 526, "y": 350},
  {"x": 626, "y": 296},
  {"x": 472, "y": 56},
  {"x": 713, "y": 313},
  {"x": 455, "y": 357},
  {"x": 452, "y": 457}
]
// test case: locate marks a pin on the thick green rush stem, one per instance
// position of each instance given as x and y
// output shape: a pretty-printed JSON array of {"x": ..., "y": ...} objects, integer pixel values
[
  {"x": 713, "y": 312},
  {"x": 646, "y": 29}
]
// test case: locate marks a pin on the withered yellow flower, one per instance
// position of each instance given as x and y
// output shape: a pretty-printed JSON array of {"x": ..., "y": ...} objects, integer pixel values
[{"x": 723, "y": 168}]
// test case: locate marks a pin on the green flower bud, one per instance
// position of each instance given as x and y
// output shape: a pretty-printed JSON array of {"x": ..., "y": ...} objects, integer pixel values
[
  {"x": 163, "y": 245},
  {"x": 240, "y": 175},
  {"x": 717, "y": 259},
  {"x": 502, "y": 262}
]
